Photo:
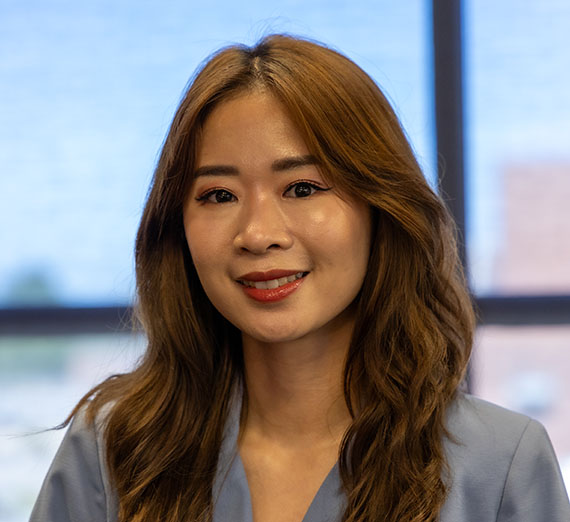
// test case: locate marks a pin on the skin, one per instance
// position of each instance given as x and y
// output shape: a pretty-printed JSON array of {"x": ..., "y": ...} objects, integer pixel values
[{"x": 251, "y": 210}]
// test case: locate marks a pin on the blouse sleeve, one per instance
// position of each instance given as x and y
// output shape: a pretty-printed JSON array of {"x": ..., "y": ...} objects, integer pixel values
[
  {"x": 534, "y": 490},
  {"x": 74, "y": 489}
]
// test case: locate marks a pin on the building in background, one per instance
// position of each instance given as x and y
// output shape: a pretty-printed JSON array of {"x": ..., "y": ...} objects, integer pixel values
[{"x": 533, "y": 256}]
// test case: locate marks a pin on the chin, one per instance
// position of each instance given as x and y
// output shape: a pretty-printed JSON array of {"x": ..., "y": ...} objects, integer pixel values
[{"x": 272, "y": 335}]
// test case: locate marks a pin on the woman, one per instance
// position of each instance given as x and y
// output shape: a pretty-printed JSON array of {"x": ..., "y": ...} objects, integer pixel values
[{"x": 308, "y": 326}]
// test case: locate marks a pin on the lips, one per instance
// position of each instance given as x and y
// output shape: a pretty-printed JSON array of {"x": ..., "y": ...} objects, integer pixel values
[
  {"x": 267, "y": 276},
  {"x": 272, "y": 285}
]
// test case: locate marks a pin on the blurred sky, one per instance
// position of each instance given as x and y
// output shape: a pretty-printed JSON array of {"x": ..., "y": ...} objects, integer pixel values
[{"x": 88, "y": 89}]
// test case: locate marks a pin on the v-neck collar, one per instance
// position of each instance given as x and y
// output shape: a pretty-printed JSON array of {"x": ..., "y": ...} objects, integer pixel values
[{"x": 231, "y": 495}]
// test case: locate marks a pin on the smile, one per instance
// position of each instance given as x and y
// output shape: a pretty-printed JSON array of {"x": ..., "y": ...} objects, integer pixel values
[
  {"x": 266, "y": 288},
  {"x": 272, "y": 283}
]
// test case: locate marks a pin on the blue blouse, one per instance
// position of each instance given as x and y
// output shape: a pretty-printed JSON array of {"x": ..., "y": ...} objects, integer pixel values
[{"x": 503, "y": 469}]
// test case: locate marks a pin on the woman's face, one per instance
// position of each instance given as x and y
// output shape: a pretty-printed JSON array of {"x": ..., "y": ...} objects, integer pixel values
[{"x": 279, "y": 253}]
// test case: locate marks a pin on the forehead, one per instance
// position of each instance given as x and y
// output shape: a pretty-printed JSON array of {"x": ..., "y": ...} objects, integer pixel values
[{"x": 255, "y": 123}]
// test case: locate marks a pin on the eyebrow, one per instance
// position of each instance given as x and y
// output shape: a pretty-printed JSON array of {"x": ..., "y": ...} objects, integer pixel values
[{"x": 280, "y": 165}]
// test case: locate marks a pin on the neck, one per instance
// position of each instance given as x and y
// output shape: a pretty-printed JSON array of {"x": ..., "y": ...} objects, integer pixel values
[{"x": 295, "y": 389}]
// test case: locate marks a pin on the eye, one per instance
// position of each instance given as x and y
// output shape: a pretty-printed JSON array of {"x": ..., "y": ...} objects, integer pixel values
[
  {"x": 217, "y": 196},
  {"x": 303, "y": 189}
]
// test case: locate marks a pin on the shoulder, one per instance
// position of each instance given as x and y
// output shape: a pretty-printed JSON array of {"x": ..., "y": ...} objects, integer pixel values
[
  {"x": 85, "y": 439},
  {"x": 476, "y": 422},
  {"x": 482, "y": 441},
  {"x": 499, "y": 461},
  {"x": 77, "y": 486}
]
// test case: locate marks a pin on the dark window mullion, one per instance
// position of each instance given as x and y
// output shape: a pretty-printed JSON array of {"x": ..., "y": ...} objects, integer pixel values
[{"x": 448, "y": 101}]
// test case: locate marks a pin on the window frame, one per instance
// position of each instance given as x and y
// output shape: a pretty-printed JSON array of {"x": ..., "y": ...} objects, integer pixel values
[
  {"x": 448, "y": 92},
  {"x": 448, "y": 52}
]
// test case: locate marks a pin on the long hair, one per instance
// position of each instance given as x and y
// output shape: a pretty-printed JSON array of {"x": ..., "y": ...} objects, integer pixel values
[{"x": 414, "y": 324}]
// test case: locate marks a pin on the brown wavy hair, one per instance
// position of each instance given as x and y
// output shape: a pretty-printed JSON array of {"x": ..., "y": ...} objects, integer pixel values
[{"x": 413, "y": 331}]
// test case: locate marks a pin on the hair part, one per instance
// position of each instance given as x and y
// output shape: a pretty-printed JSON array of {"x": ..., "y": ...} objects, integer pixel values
[{"x": 414, "y": 327}]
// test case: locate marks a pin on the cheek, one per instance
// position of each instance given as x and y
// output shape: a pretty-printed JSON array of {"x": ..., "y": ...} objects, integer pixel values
[{"x": 344, "y": 235}]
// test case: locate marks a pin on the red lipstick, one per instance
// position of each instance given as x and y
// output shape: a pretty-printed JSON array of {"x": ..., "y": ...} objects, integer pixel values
[
  {"x": 266, "y": 276},
  {"x": 267, "y": 295}
]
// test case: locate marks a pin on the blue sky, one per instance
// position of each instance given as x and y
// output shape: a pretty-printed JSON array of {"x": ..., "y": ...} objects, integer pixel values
[{"x": 87, "y": 90}]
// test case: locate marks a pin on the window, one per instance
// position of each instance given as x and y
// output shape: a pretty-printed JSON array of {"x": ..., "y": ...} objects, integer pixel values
[
  {"x": 517, "y": 114},
  {"x": 518, "y": 158},
  {"x": 87, "y": 91}
]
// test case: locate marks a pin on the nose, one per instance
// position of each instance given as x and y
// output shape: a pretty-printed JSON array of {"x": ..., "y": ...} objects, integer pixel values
[{"x": 262, "y": 227}]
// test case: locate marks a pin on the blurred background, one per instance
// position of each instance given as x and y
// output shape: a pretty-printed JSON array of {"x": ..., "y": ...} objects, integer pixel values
[{"x": 88, "y": 89}]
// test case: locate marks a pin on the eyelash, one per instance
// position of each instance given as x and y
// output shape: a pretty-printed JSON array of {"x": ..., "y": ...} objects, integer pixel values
[
  {"x": 312, "y": 184},
  {"x": 208, "y": 194}
]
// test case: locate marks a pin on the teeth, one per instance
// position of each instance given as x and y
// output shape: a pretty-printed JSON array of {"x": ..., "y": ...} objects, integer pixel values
[{"x": 272, "y": 283}]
